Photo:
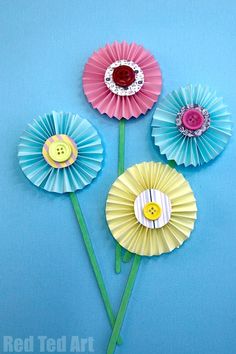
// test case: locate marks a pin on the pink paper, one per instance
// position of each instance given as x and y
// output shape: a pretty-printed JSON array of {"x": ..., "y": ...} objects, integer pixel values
[{"x": 101, "y": 97}]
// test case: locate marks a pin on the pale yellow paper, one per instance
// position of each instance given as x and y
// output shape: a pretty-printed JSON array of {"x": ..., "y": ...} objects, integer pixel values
[{"x": 120, "y": 215}]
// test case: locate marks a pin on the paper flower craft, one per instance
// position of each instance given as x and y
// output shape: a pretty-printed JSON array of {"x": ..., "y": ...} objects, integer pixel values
[
  {"x": 191, "y": 125},
  {"x": 122, "y": 80},
  {"x": 150, "y": 210},
  {"x": 61, "y": 152}
]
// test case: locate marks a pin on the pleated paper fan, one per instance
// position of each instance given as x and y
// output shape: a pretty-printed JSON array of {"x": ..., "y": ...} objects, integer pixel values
[
  {"x": 122, "y": 80},
  {"x": 191, "y": 125},
  {"x": 151, "y": 209},
  {"x": 60, "y": 152}
]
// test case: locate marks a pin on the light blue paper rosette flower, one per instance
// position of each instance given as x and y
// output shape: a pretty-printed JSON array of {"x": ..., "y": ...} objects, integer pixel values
[
  {"x": 60, "y": 152},
  {"x": 191, "y": 125}
]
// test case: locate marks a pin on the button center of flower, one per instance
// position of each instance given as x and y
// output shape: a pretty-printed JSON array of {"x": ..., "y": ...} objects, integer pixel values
[
  {"x": 192, "y": 119},
  {"x": 152, "y": 211},
  {"x": 123, "y": 75},
  {"x": 59, "y": 151}
]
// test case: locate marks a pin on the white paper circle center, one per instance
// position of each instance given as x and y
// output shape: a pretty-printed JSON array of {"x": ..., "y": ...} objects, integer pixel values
[
  {"x": 152, "y": 195},
  {"x": 124, "y": 91}
]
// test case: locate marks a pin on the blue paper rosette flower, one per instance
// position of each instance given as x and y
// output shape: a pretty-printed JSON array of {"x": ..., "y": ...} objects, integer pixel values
[
  {"x": 60, "y": 152},
  {"x": 191, "y": 125}
]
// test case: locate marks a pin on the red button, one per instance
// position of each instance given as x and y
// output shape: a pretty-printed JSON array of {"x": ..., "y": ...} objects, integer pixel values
[
  {"x": 192, "y": 119},
  {"x": 123, "y": 76}
]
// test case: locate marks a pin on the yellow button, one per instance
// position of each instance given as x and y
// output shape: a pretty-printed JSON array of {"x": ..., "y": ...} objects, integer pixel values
[
  {"x": 152, "y": 211},
  {"x": 59, "y": 151}
]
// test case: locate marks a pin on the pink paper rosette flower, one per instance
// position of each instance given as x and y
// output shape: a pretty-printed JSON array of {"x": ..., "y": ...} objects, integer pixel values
[{"x": 122, "y": 80}]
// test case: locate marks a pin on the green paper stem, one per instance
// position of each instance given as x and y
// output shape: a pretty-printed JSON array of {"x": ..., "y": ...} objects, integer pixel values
[
  {"x": 121, "y": 156},
  {"x": 93, "y": 260},
  {"x": 124, "y": 304},
  {"x": 172, "y": 163},
  {"x": 118, "y": 258},
  {"x": 121, "y": 167},
  {"x": 127, "y": 256}
]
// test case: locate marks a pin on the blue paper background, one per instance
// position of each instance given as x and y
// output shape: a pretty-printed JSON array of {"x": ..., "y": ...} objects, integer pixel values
[{"x": 184, "y": 302}]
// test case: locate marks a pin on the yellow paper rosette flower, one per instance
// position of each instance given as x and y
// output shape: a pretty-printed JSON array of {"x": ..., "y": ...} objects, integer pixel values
[{"x": 151, "y": 209}]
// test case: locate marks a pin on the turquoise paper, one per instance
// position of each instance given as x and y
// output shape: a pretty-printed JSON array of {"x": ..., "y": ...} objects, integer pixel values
[
  {"x": 73, "y": 177},
  {"x": 191, "y": 150}
]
